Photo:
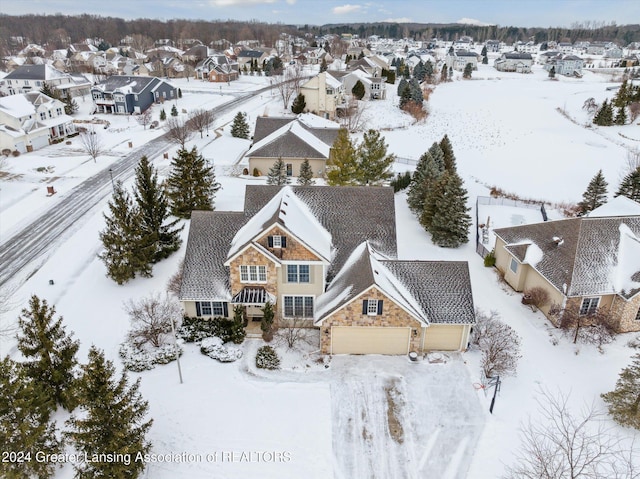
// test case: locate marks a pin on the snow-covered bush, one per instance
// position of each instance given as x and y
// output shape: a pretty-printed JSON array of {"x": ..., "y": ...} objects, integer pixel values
[
  {"x": 214, "y": 348},
  {"x": 144, "y": 358},
  {"x": 267, "y": 358},
  {"x": 194, "y": 330}
]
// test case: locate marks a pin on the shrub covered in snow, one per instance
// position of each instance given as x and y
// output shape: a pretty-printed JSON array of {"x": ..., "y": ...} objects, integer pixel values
[
  {"x": 144, "y": 358},
  {"x": 194, "y": 330},
  {"x": 214, "y": 348},
  {"x": 267, "y": 358}
]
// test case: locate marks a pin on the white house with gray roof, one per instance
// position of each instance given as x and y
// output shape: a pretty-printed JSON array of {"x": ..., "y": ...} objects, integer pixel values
[
  {"x": 29, "y": 78},
  {"x": 325, "y": 257},
  {"x": 514, "y": 62}
]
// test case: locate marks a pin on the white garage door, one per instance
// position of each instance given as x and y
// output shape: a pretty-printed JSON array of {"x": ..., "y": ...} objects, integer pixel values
[
  {"x": 442, "y": 337},
  {"x": 369, "y": 340},
  {"x": 40, "y": 142}
]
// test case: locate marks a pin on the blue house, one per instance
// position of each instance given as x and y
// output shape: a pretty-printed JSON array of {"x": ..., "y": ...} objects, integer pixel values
[{"x": 122, "y": 94}]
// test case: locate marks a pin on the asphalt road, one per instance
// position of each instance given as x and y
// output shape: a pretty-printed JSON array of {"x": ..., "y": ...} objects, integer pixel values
[{"x": 46, "y": 232}]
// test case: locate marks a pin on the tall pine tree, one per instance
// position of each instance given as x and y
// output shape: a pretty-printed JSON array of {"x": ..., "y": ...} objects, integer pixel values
[
  {"x": 299, "y": 104},
  {"x": 306, "y": 174},
  {"x": 447, "y": 150},
  {"x": 438, "y": 156},
  {"x": 240, "y": 127},
  {"x": 112, "y": 421},
  {"x": 121, "y": 239},
  {"x": 595, "y": 195},
  {"x": 451, "y": 221},
  {"x": 604, "y": 116},
  {"x": 191, "y": 184},
  {"x": 630, "y": 185},
  {"x": 422, "y": 183},
  {"x": 343, "y": 164},
  {"x": 50, "y": 353},
  {"x": 624, "y": 400},
  {"x": 278, "y": 174},
  {"x": 485, "y": 57},
  {"x": 158, "y": 238},
  {"x": 374, "y": 164},
  {"x": 358, "y": 90},
  {"x": 25, "y": 409}
]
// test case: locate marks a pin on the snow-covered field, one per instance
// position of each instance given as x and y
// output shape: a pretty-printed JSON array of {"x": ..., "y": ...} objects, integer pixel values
[{"x": 334, "y": 422}]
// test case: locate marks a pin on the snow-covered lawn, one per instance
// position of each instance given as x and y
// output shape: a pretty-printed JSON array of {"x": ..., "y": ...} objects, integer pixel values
[{"x": 336, "y": 422}]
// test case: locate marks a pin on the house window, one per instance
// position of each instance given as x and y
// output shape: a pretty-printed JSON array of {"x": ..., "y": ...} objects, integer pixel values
[
  {"x": 372, "y": 307},
  {"x": 513, "y": 266},
  {"x": 43, "y": 115},
  {"x": 638, "y": 315},
  {"x": 297, "y": 273},
  {"x": 172, "y": 93},
  {"x": 136, "y": 97},
  {"x": 277, "y": 241},
  {"x": 589, "y": 306},
  {"x": 211, "y": 308},
  {"x": 289, "y": 169},
  {"x": 298, "y": 306},
  {"x": 59, "y": 111},
  {"x": 253, "y": 274}
]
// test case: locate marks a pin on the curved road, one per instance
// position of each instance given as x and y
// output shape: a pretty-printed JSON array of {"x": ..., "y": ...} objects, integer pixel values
[{"x": 43, "y": 234}]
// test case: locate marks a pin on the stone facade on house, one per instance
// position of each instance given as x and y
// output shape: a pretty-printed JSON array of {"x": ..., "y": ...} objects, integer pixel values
[
  {"x": 294, "y": 251},
  {"x": 253, "y": 257}
]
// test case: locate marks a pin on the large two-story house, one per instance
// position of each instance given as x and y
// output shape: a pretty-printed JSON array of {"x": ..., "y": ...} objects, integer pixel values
[
  {"x": 326, "y": 258},
  {"x": 30, "y": 78},
  {"x": 121, "y": 94},
  {"x": 323, "y": 95}
]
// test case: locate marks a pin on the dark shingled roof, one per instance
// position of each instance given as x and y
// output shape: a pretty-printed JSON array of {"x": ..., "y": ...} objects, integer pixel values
[
  {"x": 287, "y": 145},
  {"x": 583, "y": 257},
  {"x": 265, "y": 125}
]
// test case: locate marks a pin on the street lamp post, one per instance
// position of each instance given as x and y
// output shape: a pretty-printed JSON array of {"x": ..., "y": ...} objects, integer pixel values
[{"x": 113, "y": 187}]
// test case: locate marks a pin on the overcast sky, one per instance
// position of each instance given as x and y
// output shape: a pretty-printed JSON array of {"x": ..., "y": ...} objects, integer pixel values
[{"x": 522, "y": 13}]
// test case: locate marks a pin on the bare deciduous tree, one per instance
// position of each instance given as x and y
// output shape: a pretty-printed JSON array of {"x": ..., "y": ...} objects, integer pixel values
[
  {"x": 178, "y": 131},
  {"x": 200, "y": 120},
  {"x": 499, "y": 343},
  {"x": 151, "y": 319},
  {"x": 91, "y": 143},
  {"x": 173, "y": 285},
  {"x": 590, "y": 105},
  {"x": 144, "y": 118},
  {"x": 561, "y": 445},
  {"x": 291, "y": 332},
  {"x": 288, "y": 83},
  {"x": 535, "y": 298},
  {"x": 594, "y": 327},
  {"x": 634, "y": 111},
  {"x": 351, "y": 117}
]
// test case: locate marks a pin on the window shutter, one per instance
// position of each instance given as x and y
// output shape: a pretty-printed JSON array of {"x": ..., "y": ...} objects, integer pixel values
[
  {"x": 379, "y": 307},
  {"x": 364, "y": 306},
  {"x": 225, "y": 309},
  {"x": 198, "y": 313},
  {"x": 270, "y": 241},
  {"x": 283, "y": 240}
]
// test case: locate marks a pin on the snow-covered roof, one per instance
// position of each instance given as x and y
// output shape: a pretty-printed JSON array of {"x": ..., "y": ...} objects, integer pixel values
[
  {"x": 17, "y": 106},
  {"x": 618, "y": 206},
  {"x": 332, "y": 82}
]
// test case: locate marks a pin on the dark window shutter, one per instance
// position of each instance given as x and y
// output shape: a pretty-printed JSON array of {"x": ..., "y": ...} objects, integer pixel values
[
  {"x": 379, "y": 307},
  {"x": 198, "y": 313},
  {"x": 364, "y": 306},
  {"x": 225, "y": 309},
  {"x": 283, "y": 240},
  {"x": 270, "y": 241}
]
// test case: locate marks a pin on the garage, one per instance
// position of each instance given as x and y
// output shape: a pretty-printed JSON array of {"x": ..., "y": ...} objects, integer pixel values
[
  {"x": 442, "y": 337},
  {"x": 369, "y": 340}
]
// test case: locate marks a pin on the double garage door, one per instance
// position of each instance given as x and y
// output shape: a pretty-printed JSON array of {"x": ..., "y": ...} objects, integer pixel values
[{"x": 369, "y": 340}]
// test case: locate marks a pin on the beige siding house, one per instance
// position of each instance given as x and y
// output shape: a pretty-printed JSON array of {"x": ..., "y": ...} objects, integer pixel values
[
  {"x": 323, "y": 95},
  {"x": 325, "y": 259},
  {"x": 590, "y": 263}
]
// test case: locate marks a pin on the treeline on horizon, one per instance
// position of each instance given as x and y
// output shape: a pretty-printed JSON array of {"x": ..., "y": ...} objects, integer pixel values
[{"x": 54, "y": 30}]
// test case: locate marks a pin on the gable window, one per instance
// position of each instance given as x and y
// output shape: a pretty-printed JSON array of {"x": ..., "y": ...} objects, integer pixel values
[
  {"x": 372, "y": 307},
  {"x": 277, "y": 241},
  {"x": 589, "y": 306},
  {"x": 211, "y": 308},
  {"x": 297, "y": 273},
  {"x": 43, "y": 115},
  {"x": 298, "y": 306},
  {"x": 253, "y": 274},
  {"x": 514, "y": 265}
]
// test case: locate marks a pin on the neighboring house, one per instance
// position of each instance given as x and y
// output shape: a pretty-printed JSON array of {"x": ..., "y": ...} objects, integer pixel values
[
  {"x": 31, "y": 121},
  {"x": 293, "y": 139},
  {"x": 566, "y": 65},
  {"x": 514, "y": 62},
  {"x": 28, "y": 78},
  {"x": 493, "y": 46},
  {"x": 588, "y": 263},
  {"x": 549, "y": 56},
  {"x": 324, "y": 95},
  {"x": 565, "y": 47},
  {"x": 325, "y": 259},
  {"x": 125, "y": 95},
  {"x": 459, "y": 59},
  {"x": 217, "y": 68},
  {"x": 245, "y": 57},
  {"x": 374, "y": 87}
]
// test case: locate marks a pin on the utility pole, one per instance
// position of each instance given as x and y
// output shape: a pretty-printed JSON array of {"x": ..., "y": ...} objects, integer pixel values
[{"x": 175, "y": 343}]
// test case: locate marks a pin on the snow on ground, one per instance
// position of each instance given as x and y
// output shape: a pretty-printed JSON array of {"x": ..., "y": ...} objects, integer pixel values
[{"x": 362, "y": 416}]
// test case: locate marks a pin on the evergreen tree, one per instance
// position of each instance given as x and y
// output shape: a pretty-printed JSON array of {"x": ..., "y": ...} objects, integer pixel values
[
  {"x": 158, "y": 238},
  {"x": 358, "y": 90},
  {"x": 604, "y": 116},
  {"x": 451, "y": 221},
  {"x": 419, "y": 71},
  {"x": 622, "y": 96},
  {"x": 323, "y": 65},
  {"x": 468, "y": 68},
  {"x": 191, "y": 184},
  {"x": 438, "y": 156},
  {"x": 443, "y": 74},
  {"x": 306, "y": 174},
  {"x": 50, "y": 353},
  {"x": 630, "y": 186},
  {"x": 121, "y": 238},
  {"x": 416, "y": 91},
  {"x": 50, "y": 92},
  {"x": 422, "y": 183},
  {"x": 405, "y": 96},
  {"x": 552, "y": 71},
  {"x": 374, "y": 164},
  {"x": 163, "y": 115},
  {"x": 624, "y": 400},
  {"x": 390, "y": 76},
  {"x": 485, "y": 59},
  {"x": 299, "y": 104},
  {"x": 179, "y": 94},
  {"x": 447, "y": 150},
  {"x": 70, "y": 105},
  {"x": 25, "y": 409},
  {"x": 402, "y": 84},
  {"x": 278, "y": 174},
  {"x": 450, "y": 73},
  {"x": 240, "y": 127},
  {"x": 595, "y": 195},
  {"x": 428, "y": 71},
  {"x": 621, "y": 116},
  {"x": 113, "y": 421},
  {"x": 174, "y": 111},
  {"x": 342, "y": 164}
]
